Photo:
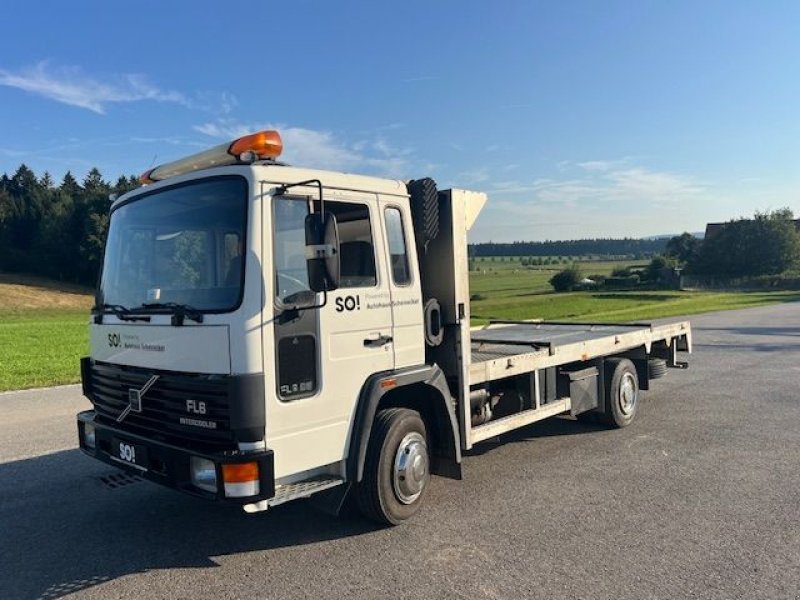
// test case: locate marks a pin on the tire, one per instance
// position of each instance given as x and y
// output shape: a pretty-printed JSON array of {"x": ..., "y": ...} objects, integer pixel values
[
  {"x": 392, "y": 490},
  {"x": 622, "y": 392},
  {"x": 656, "y": 368},
  {"x": 424, "y": 210}
]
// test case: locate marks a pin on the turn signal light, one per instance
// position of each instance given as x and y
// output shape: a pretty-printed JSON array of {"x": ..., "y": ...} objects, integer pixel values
[
  {"x": 239, "y": 473},
  {"x": 265, "y": 144},
  {"x": 241, "y": 480}
]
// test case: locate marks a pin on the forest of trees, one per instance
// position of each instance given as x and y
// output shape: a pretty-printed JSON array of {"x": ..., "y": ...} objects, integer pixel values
[
  {"x": 638, "y": 248},
  {"x": 55, "y": 229}
]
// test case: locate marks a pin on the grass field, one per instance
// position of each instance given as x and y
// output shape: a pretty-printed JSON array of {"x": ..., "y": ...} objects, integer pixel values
[
  {"x": 498, "y": 279},
  {"x": 44, "y": 332},
  {"x": 506, "y": 290},
  {"x": 616, "y": 306},
  {"x": 41, "y": 347}
]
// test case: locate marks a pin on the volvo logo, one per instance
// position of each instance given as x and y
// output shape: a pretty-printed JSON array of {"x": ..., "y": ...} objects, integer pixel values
[{"x": 135, "y": 398}]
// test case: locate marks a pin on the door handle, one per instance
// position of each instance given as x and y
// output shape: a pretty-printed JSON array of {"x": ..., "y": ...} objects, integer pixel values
[{"x": 381, "y": 340}]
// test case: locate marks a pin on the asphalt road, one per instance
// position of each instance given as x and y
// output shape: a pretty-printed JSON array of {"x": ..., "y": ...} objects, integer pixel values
[{"x": 699, "y": 498}]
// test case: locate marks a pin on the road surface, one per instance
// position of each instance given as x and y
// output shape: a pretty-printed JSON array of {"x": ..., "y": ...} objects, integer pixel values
[{"x": 699, "y": 498}]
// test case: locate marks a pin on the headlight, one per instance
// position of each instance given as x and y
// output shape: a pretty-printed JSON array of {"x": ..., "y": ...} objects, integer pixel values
[
  {"x": 204, "y": 474},
  {"x": 89, "y": 439}
]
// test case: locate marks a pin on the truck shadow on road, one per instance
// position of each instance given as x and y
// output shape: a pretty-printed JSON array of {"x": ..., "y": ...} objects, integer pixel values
[{"x": 65, "y": 527}]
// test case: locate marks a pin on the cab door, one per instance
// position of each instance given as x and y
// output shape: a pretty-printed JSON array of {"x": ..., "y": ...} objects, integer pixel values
[{"x": 347, "y": 340}]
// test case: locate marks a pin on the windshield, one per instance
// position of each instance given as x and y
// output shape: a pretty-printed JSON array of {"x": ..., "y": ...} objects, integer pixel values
[{"x": 182, "y": 245}]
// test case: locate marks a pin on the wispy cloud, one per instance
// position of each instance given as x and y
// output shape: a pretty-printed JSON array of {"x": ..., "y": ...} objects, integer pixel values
[
  {"x": 601, "y": 166},
  {"x": 323, "y": 149},
  {"x": 170, "y": 141},
  {"x": 473, "y": 176},
  {"x": 644, "y": 184},
  {"x": 601, "y": 197},
  {"x": 220, "y": 103},
  {"x": 72, "y": 86},
  {"x": 69, "y": 85},
  {"x": 391, "y": 126},
  {"x": 597, "y": 182},
  {"x": 11, "y": 153}
]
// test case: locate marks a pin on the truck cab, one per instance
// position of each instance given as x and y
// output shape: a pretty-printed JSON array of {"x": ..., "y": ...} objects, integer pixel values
[{"x": 214, "y": 366}]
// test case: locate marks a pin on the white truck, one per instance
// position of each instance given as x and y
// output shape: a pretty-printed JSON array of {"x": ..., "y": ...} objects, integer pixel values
[{"x": 264, "y": 333}]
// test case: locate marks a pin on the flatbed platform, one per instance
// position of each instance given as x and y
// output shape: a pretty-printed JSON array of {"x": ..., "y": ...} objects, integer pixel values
[{"x": 505, "y": 348}]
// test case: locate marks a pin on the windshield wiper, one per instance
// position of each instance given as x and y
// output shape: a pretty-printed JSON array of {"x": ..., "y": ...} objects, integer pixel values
[
  {"x": 121, "y": 312},
  {"x": 180, "y": 312}
]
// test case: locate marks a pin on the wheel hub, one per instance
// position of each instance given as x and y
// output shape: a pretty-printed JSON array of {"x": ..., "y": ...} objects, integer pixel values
[
  {"x": 628, "y": 394},
  {"x": 410, "y": 468}
]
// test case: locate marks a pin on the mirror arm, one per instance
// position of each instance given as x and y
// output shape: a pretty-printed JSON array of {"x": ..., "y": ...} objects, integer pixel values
[{"x": 280, "y": 191}]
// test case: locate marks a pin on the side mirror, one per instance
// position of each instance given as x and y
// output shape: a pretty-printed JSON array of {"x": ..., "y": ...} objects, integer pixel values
[{"x": 322, "y": 252}]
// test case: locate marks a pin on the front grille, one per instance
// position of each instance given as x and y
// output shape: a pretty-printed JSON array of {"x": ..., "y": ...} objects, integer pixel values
[{"x": 164, "y": 404}]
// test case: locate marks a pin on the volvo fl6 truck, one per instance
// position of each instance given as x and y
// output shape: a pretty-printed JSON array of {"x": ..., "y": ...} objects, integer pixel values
[{"x": 264, "y": 333}]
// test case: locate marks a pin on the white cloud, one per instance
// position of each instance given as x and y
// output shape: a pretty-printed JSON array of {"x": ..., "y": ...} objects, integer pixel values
[
  {"x": 599, "y": 183},
  {"x": 70, "y": 85},
  {"x": 646, "y": 184},
  {"x": 593, "y": 198},
  {"x": 322, "y": 149},
  {"x": 599, "y": 165}
]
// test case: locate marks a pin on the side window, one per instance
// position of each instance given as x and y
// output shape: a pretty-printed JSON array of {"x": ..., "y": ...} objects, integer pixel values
[
  {"x": 357, "y": 250},
  {"x": 291, "y": 274},
  {"x": 398, "y": 256}
]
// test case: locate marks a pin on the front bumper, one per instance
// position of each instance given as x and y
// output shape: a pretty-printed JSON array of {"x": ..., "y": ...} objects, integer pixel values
[{"x": 169, "y": 465}]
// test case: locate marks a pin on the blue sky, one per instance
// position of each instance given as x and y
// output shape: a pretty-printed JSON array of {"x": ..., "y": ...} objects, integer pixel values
[{"x": 580, "y": 119}]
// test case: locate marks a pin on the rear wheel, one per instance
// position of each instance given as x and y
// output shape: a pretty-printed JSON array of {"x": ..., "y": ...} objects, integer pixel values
[
  {"x": 622, "y": 392},
  {"x": 396, "y": 469}
]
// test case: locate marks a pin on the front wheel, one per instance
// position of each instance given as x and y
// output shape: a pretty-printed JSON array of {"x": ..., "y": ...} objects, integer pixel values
[{"x": 396, "y": 469}]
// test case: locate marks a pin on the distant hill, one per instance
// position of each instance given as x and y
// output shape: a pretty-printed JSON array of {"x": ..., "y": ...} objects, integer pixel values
[{"x": 22, "y": 292}]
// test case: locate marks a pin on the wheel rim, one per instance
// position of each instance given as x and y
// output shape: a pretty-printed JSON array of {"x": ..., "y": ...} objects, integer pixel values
[
  {"x": 628, "y": 394},
  {"x": 410, "y": 475}
]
